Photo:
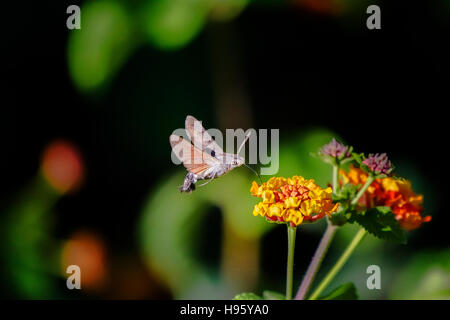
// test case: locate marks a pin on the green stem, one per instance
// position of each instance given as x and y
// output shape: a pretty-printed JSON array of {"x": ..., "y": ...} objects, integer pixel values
[
  {"x": 339, "y": 264},
  {"x": 335, "y": 178},
  {"x": 290, "y": 263},
  {"x": 362, "y": 190},
  {"x": 351, "y": 247}
]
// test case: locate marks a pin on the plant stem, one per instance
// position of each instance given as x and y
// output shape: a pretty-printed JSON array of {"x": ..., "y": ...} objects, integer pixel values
[
  {"x": 321, "y": 249},
  {"x": 316, "y": 261},
  {"x": 339, "y": 264},
  {"x": 362, "y": 190},
  {"x": 290, "y": 263},
  {"x": 335, "y": 178},
  {"x": 358, "y": 237}
]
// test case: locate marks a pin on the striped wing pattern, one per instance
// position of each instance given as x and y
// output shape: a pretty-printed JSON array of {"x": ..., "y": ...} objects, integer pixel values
[{"x": 194, "y": 160}]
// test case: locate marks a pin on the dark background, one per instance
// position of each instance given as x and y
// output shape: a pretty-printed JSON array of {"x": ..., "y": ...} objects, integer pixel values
[{"x": 380, "y": 90}]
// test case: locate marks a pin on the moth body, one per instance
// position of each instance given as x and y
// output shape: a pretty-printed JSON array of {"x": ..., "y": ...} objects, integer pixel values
[{"x": 189, "y": 183}]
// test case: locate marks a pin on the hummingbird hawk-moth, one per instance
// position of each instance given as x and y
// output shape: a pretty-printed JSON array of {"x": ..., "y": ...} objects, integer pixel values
[{"x": 204, "y": 159}]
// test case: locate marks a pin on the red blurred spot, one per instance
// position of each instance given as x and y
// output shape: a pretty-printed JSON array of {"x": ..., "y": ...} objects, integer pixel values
[
  {"x": 86, "y": 250},
  {"x": 332, "y": 7},
  {"x": 62, "y": 166}
]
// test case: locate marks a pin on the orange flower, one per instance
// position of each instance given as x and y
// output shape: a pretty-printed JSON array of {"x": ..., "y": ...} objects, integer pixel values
[
  {"x": 394, "y": 193},
  {"x": 292, "y": 200}
]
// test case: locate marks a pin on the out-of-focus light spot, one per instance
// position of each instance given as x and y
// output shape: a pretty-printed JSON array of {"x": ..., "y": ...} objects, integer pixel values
[
  {"x": 345, "y": 8},
  {"x": 62, "y": 166},
  {"x": 132, "y": 280},
  {"x": 227, "y": 10},
  {"x": 98, "y": 50},
  {"x": 171, "y": 24},
  {"x": 86, "y": 250},
  {"x": 330, "y": 7}
]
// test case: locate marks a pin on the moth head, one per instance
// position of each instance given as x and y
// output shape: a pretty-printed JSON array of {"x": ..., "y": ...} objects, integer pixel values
[{"x": 237, "y": 161}]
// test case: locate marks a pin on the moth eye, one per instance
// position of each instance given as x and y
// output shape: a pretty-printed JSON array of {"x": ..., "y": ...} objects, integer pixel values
[{"x": 213, "y": 153}]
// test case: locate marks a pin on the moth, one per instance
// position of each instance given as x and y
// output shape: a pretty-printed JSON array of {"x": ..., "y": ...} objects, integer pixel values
[{"x": 203, "y": 158}]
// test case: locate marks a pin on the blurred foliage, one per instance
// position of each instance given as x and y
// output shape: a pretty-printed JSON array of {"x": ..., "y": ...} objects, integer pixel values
[
  {"x": 29, "y": 254},
  {"x": 100, "y": 48},
  {"x": 425, "y": 276},
  {"x": 172, "y": 24},
  {"x": 170, "y": 220},
  {"x": 170, "y": 223},
  {"x": 347, "y": 291},
  {"x": 296, "y": 159},
  {"x": 247, "y": 296},
  {"x": 113, "y": 29}
]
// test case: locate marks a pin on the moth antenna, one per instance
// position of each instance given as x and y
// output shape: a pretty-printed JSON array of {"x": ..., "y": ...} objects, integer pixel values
[
  {"x": 243, "y": 142},
  {"x": 254, "y": 172}
]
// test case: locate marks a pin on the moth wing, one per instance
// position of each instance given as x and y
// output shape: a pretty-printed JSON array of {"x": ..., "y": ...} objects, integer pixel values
[
  {"x": 200, "y": 138},
  {"x": 197, "y": 169},
  {"x": 194, "y": 160}
]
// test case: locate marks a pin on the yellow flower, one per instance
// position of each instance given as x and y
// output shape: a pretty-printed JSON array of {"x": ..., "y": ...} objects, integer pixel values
[
  {"x": 268, "y": 196},
  {"x": 294, "y": 216},
  {"x": 306, "y": 209},
  {"x": 292, "y": 200},
  {"x": 295, "y": 180},
  {"x": 276, "y": 210},
  {"x": 275, "y": 183},
  {"x": 260, "y": 209},
  {"x": 254, "y": 190}
]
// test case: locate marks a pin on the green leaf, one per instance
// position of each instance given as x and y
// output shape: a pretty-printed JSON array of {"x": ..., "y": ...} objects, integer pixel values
[
  {"x": 343, "y": 157},
  {"x": 366, "y": 169},
  {"x": 346, "y": 291},
  {"x": 380, "y": 222},
  {"x": 387, "y": 174},
  {"x": 344, "y": 161},
  {"x": 272, "y": 295},
  {"x": 344, "y": 197},
  {"x": 339, "y": 218},
  {"x": 346, "y": 193},
  {"x": 358, "y": 157},
  {"x": 247, "y": 296}
]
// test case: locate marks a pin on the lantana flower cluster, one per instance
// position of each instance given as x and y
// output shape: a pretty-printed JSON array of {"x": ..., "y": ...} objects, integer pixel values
[
  {"x": 396, "y": 194},
  {"x": 369, "y": 195},
  {"x": 335, "y": 152},
  {"x": 336, "y": 149},
  {"x": 292, "y": 200},
  {"x": 378, "y": 164}
]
